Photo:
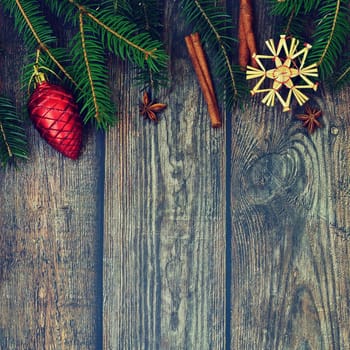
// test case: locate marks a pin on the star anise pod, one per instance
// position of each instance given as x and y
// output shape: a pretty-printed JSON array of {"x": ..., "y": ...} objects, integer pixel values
[
  {"x": 149, "y": 109},
  {"x": 310, "y": 118}
]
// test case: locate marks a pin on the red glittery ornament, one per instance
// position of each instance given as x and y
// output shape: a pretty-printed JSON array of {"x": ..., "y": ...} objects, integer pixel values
[{"x": 56, "y": 116}]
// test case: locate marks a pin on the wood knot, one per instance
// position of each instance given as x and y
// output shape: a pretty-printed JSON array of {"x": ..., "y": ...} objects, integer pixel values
[{"x": 271, "y": 175}]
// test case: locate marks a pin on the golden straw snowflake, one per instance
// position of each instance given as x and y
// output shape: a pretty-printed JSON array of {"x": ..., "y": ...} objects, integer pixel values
[{"x": 285, "y": 70}]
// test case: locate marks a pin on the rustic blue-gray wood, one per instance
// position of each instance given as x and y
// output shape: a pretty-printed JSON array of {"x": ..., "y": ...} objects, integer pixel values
[
  {"x": 50, "y": 234},
  {"x": 164, "y": 243},
  {"x": 230, "y": 238}
]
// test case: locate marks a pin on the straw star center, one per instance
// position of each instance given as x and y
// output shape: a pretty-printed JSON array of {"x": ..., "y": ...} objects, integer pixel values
[{"x": 287, "y": 66}]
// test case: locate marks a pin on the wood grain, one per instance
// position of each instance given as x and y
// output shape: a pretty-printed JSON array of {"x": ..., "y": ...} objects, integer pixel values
[
  {"x": 48, "y": 289},
  {"x": 50, "y": 239},
  {"x": 235, "y": 237},
  {"x": 290, "y": 262},
  {"x": 289, "y": 193},
  {"x": 164, "y": 247},
  {"x": 267, "y": 226}
]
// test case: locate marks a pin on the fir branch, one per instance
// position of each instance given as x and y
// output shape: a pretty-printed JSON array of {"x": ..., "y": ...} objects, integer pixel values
[
  {"x": 29, "y": 10},
  {"x": 5, "y": 143},
  {"x": 63, "y": 9},
  {"x": 34, "y": 27},
  {"x": 145, "y": 14},
  {"x": 89, "y": 62},
  {"x": 100, "y": 30},
  {"x": 151, "y": 53},
  {"x": 25, "y": 14},
  {"x": 301, "y": 27},
  {"x": 287, "y": 7},
  {"x": 333, "y": 23},
  {"x": 88, "y": 68},
  {"x": 63, "y": 56},
  {"x": 330, "y": 35},
  {"x": 121, "y": 37},
  {"x": 121, "y": 5},
  {"x": 295, "y": 17},
  {"x": 13, "y": 143},
  {"x": 342, "y": 75},
  {"x": 147, "y": 17},
  {"x": 297, "y": 26},
  {"x": 121, "y": 26},
  {"x": 212, "y": 24}
]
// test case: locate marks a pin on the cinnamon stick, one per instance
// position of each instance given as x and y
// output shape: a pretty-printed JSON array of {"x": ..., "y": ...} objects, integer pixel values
[
  {"x": 203, "y": 61},
  {"x": 247, "y": 44},
  {"x": 243, "y": 50},
  {"x": 199, "y": 62}
]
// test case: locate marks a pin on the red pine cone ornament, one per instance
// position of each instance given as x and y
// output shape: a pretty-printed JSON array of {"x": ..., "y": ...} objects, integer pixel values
[{"x": 56, "y": 116}]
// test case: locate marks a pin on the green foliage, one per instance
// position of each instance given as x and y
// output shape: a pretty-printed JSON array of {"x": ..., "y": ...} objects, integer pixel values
[
  {"x": 123, "y": 38},
  {"x": 31, "y": 22},
  {"x": 145, "y": 14},
  {"x": 82, "y": 65},
  {"x": 342, "y": 74},
  {"x": 147, "y": 17},
  {"x": 296, "y": 26},
  {"x": 62, "y": 55},
  {"x": 89, "y": 60},
  {"x": 13, "y": 143},
  {"x": 323, "y": 23},
  {"x": 331, "y": 32},
  {"x": 215, "y": 27},
  {"x": 287, "y": 7},
  {"x": 131, "y": 30}
]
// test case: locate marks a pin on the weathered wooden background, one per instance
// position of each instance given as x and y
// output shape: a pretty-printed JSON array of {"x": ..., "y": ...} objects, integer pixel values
[{"x": 176, "y": 235}]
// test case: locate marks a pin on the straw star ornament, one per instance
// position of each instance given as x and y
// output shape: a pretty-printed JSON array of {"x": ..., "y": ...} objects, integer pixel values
[{"x": 286, "y": 68}]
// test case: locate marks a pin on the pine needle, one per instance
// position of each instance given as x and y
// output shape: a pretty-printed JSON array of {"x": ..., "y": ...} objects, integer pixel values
[
  {"x": 330, "y": 36},
  {"x": 146, "y": 15},
  {"x": 214, "y": 24},
  {"x": 88, "y": 68},
  {"x": 286, "y": 7},
  {"x": 88, "y": 58},
  {"x": 98, "y": 29},
  {"x": 13, "y": 141}
]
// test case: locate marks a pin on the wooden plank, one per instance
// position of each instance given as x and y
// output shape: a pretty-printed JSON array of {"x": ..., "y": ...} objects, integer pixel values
[
  {"x": 290, "y": 273},
  {"x": 164, "y": 241},
  {"x": 49, "y": 242},
  {"x": 290, "y": 265}
]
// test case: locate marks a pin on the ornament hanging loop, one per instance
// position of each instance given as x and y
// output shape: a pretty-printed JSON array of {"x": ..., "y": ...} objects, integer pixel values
[{"x": 38, "y": 75}]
